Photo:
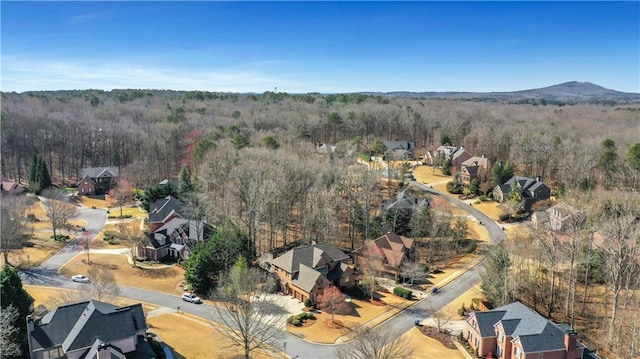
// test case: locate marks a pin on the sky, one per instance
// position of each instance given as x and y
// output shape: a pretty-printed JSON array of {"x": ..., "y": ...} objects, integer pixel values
[{"x": 327, "y": 47}]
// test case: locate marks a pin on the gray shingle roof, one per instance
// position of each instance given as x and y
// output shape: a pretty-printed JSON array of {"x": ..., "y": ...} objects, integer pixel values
[
  {"x": 160, "y": 209},
  {"x": 306, "y": 278},
  {"x": 535, "y": 332},
  {"x": 403, "y": 145},
  {"x": 309, "y": 256},
  {"x": 95, "y": 172},
  {"x": 77, "y": 326}
]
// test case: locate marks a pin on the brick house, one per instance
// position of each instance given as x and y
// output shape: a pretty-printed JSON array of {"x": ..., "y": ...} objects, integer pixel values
[
  {"x": 459, "y": 157},
  {"x": 97, "y": 180},
  {"x": 515, "y": 331},
  {"x": 392, "y": 249},
  {"x": 305, "y": 272},
  {"x": 163, "y": 210},
  {"x": 90, "y": 330},
  {"x": 177, "y": 239},
  {"x": 475, "y": 168}
]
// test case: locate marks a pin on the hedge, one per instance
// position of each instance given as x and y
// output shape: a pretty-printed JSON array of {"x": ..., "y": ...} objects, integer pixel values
[{"x": 402, "y": 292}]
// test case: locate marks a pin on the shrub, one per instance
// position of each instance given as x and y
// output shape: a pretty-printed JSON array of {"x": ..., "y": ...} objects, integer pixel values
[
  {"x": 296, "y": 322},
  {"x": 310, "y": 316},
  {"x": 454, "y": 188},
  {"x": 308, "y": 303},
  {"x": 503, "y": 217},
  {"x": 120, "y": 217},
  {"x": 32, "y": 218},
  {"x": 301, "y": 316},
  {"x": 60, "y": 237},
  {"x": 290, "y": 320},
  {"x": 402, "y": 292}
]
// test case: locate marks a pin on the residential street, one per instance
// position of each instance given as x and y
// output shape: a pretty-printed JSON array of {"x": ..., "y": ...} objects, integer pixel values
[{"x": 47, "y": 275}]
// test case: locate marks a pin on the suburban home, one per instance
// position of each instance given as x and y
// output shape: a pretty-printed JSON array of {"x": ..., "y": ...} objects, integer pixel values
[
  {"x": 438, "y": 155},
  {"x": 404, "y": 201},
  {"x": 305, "y": 272},
  {"x": 516, "y": 331},
  {"x": 90, "y": 330},
  {"x": 163, "y": 210},
  {"x": 97, "y": 180},
  {"x": 399, "y": 150},
  {"x": 540, "y": 219},
  {"x": 10, "y": 188},
  {"x": 325, "y": 149},
  {"x": 475, "y": 168},
  {"x": 459, "y": 157},
  {"x": 177, "y": 238},
  {"x": 391, "y": 250},
  {"x": 531, "y": 190},
  {"x": 560, "y": 217}
]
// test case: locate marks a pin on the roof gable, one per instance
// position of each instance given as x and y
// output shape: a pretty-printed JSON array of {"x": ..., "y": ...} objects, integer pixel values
[
  {"x": 311, "y": 256},
  {"x": 95, "y": 172}
]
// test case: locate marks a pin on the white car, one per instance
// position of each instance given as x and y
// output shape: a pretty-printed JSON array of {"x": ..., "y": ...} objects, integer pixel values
[
  {"x": 80, "y": 278},
  {"x": 190, "y": 297}
]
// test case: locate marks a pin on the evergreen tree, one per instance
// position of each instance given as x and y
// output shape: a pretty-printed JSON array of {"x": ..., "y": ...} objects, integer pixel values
[
  {"x": 39, "y": 178},
  {"x": 185, "y": 187},
  {"x": 44, "y": 179},
  {"x": 33, "y": 169},
  {"x": 12, "y": 293}
]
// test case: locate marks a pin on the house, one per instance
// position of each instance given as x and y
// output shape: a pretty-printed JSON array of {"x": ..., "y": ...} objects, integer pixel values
[
  {"x": 163, "y": 210},
  {"x": 10, "y": 188},
  {"x": 177, "y": 238},
  {"x": 540, "y": 219},
  {"x": 305, "y": 272},
  {"x": 517, "y": 331},
  {"x": 459, "y": 157},
  {"x": 325, "y": 149},
  {"x": 399, "y": 150},
  {"x": 531, "y": 190},
  {"x": 97, "y": 180},
  {"x": 438, "y": 155},
  {"x": 401, "y": 209},
  {"x": 475, "y": 168},
  {"x": 89, "y": 330},
  {"x": 391, "y": 249},
  {"x": 560, "y": 217}
]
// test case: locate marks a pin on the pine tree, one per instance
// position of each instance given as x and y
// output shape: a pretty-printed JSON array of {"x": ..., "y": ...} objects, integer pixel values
[
  {"x": 12, "y": 293},
  {"x": 44, "y": 180},
  {"x": 185, "y": 187}
]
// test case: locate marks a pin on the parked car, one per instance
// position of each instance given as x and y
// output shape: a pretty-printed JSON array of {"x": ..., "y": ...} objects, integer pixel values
[
  {"x": 80, "y": 278},
  {"x": 191, "y": 298}
]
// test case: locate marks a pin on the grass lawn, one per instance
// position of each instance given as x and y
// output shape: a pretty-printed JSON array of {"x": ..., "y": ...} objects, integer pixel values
[
  {"x": 518, "y": 231},
  {"x": 42, "y": 249},
  {"x": 99, "y": 242},
  {"x": 192, "y": 337},
  {"x": 450, "y": 311},
  {"x": 491, "y": 209},
  {"x": 98, "y": 201},
  {"x": 134, "y": 212},
  {"x": 426, "y": 174},
  {"x": 361, "y": 312},
  {"x": 161, "y": 279},
  {"x": 427, "y": 348}
]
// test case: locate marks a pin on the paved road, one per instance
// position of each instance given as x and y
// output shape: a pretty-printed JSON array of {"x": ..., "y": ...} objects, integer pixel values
[
  {"x": 47, "y": 275},
  {"x": 47, "y": 272},
  {"x": 495, "y": 232}
]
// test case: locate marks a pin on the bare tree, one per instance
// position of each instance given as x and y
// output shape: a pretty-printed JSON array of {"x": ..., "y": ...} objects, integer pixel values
[
  {"x": 13, "y": 226},
  {"x": 251, "y": 318},
  {"x": 413, "y": 270},
  {"x": 132, "y": 235},
  {"x": 370, "y": 343},
  {"x": 371, "y": 265},
  {"x": 440, "y": 319},
  {"x": 122, "y": 193},
  {"x": 102, "y": 285},
  {"x": 9, "y": 344},
  {"x": 549, "y": 244},
  {"x": 332, "y": 301},
  {"x": 58, "y": 210}
]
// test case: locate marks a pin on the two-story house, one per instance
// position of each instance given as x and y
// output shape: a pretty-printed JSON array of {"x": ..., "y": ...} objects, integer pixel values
[
  {"x": 90, "y": 330},
  {"x": 97, "y": 180},
  {"x": 305, "y": 272},
  {"x": 399, "y": 150},
  {"x": 515, "y": 331},
  {"x": 475, "y": 168},
  {"x": 530, "y": 191},
  {"x": 177, "y": 238},
  {"x": 390, "y": 249}
]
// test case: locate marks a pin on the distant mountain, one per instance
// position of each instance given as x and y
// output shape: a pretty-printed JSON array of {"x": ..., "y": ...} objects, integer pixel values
[{"x": 568, "y": 92}]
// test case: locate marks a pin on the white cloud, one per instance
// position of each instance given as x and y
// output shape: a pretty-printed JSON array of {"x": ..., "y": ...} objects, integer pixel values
[{"x": 31, "y": 74}]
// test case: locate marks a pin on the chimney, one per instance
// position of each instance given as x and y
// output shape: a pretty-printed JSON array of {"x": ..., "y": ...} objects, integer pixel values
[
  {"x": 570, "y": 340},
  {"x": 537, "y": 178}
]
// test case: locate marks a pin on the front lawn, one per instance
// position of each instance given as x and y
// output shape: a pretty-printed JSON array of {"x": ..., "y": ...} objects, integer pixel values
[
  {"x": 38, "y": 250},
  {"x": 165, "y": 279}
]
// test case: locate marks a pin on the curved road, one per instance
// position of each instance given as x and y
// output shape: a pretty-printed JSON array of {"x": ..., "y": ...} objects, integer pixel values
[{"x": 47, "y": 274}]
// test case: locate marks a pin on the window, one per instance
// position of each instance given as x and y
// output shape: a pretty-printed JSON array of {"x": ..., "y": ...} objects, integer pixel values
[
  {"x": 346, "y": 279},
  {"x": 500, "y": 336},
  {"x": 518, "y": 352},
  {"x": 499, "y": 350}
]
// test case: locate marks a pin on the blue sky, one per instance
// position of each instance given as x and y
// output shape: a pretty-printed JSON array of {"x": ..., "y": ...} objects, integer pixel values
[{"x": 324, "y": 47}]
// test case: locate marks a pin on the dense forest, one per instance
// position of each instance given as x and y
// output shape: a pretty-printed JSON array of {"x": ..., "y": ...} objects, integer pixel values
[
  {"x": 253, "y": 161},
  {"x": 151, "y": 134}
]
